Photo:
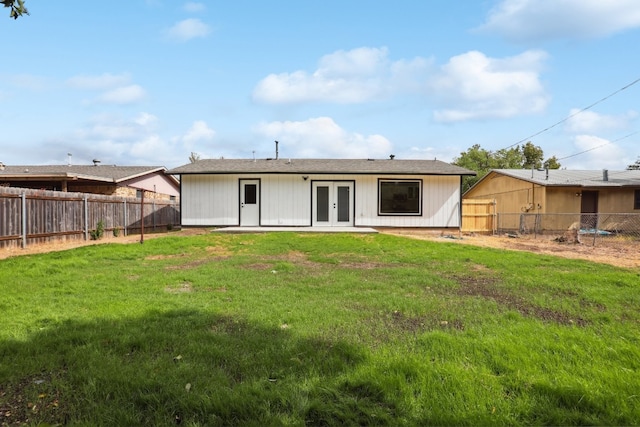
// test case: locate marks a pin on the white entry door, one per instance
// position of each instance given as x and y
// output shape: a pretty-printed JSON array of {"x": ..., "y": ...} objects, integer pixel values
[
  {"x": 332, "y": 203},
  {"x": 249, "y": 202}
]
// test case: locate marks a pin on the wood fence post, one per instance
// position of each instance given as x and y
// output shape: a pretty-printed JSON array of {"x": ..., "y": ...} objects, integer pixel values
[
  {"x": 125, "y": 216},
  {"x": 86, "y": 217},
  {"x": 142, "y": 218},
  {"x": 23, "y": 197}
]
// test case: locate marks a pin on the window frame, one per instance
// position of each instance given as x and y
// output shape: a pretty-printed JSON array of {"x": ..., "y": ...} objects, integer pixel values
[{"x": 419, "y": 195}]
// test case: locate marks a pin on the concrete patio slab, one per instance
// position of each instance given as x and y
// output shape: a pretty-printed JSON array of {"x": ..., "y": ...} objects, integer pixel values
[{"x": 296, "y": 229}]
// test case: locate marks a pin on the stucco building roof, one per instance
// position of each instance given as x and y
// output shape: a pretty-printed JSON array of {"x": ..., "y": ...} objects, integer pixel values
[{"x": 579, "y": 178}]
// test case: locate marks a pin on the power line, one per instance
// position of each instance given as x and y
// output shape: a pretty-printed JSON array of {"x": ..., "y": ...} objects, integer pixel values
[
  {"x": 575, "y": 114},
  {"x": 599, "y": 146}
]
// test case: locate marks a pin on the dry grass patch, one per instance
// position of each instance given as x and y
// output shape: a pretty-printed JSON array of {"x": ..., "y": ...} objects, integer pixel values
[{"x": 180, "y": 288}]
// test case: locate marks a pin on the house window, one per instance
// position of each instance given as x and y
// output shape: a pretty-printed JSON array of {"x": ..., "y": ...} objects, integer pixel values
[
  {"x": 399, "y": 197},
  {"x": 636, "y": 200},
  {"x": 139, "y": 194}
]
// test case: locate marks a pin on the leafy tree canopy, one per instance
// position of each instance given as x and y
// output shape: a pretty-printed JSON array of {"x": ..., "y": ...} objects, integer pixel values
[
  {"x": 635, "y": 166},
  {"x": 17, "y": 8},
  {"x": 482, "y": 161}
]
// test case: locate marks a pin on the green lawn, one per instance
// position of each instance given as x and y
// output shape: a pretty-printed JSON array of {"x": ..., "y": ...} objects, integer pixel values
[{"x": 310, "y": 329}]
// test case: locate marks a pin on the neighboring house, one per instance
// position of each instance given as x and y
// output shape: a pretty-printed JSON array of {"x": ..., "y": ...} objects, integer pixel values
[
  {"x": 321, "y": 192},
  {"x": 124, "y": 181},
  {"x": 560, "y": 191}
]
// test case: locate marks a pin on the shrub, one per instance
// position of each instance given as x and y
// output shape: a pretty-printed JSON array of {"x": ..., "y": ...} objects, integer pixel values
[{"x": 98, "y": 232}]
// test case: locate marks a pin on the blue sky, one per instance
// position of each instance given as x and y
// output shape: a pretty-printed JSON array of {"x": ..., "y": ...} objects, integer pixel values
[{"x": 148, "y": 82}]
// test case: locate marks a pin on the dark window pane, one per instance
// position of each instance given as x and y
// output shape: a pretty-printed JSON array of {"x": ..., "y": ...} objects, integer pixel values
[
  {"x": 322, "y": 202},
  {"x": 636, "y": 201},
  {"x": 400, "y": 197},
  {"x": 250, "y": 194},
  {"x": 343, "y": 204}
]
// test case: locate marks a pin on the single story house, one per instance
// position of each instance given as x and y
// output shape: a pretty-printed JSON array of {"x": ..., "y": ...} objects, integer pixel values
[
  {"x": 321, "y": 192},
  {"x": 124, "y": 181},
  {"x": 560, "y": 191}
]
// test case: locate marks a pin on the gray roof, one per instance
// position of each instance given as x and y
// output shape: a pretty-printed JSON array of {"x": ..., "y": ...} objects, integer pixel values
[
  {"x": 576, "y": 178},
  {"x": 104, "y": 173},
  {"x": 321, "y": 166}
]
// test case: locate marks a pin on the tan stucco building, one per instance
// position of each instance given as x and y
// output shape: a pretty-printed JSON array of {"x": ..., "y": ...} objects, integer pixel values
[{"x": 560, "y": 191}]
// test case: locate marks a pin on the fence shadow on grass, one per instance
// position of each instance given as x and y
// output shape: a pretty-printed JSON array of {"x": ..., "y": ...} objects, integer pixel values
[{"x": 177, "y": 367}]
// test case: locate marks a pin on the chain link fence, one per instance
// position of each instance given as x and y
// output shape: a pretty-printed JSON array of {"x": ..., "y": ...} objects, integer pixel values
[{"x": 594, "y": 229}]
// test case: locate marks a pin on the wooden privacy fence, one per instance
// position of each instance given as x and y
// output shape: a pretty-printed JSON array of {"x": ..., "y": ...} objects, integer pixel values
[
  {"x": 37, "y": 216},
  {"x": 479, "y": 216}
]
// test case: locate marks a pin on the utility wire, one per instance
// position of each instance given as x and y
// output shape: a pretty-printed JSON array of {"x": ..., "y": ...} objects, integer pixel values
[
  {"x": 575, "y": 114},
  {"x": 599, "y": 146}
]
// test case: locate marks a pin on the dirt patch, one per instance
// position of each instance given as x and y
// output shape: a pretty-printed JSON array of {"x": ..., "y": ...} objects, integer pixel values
[
  {"x": 33, "y": 398},
  {"x": 484, "y": 287},
  {"x": 619, "y": 254},
  {"x": 184, "y": 287}
]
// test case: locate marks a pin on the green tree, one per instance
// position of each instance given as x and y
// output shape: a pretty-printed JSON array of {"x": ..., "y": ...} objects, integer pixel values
[
  {"x": 551, "y": 163},
  {"x": 533, "y": 156},
  {"x": 482, "y": 161},
  {"x": 635, "y": 166},
  {"x": 17, "y": 8}
]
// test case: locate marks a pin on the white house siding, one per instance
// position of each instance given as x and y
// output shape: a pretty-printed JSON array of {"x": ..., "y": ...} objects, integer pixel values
[
  {"x": 209, "y": 200},
  {"x": 440, "y": 203},
  {"x": 286, "y": 200}
]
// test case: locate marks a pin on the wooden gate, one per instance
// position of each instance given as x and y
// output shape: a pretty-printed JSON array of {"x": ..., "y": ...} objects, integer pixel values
[{"x": 479, "y": 216}]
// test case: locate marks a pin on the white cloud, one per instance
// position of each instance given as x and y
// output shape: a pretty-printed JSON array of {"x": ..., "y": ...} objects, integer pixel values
[
  {"x": 101, "y": 82},
  {"x": 123, "y": 95},
  {"x": 534, "y": 20},
  {"x": 115, "y": 128},
  {"x": 194, "y": 7},
  {"x": 592, "y": 122},
  {"x": 149, "y": 147},
  {"x": 115, "y": 139},
  {"x": 474, "y": 86},
  {"x": 597, "y": 153},
  {"x": 343, "y": 77},
  {"x": 199, "y": 132},
  {"x": 321, "y": 137},
  {"x": 188, "y": 29},
  {"x": 145, "y": 119}
]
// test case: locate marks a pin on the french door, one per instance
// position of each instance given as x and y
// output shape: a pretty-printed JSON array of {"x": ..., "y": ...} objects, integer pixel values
[{"x": 332, "y": 203}]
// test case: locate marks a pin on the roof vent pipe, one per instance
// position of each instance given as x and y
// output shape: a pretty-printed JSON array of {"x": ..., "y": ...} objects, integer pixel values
[
  {"x": 276, "y": 150},
  {"x": 392, "y": 156},
  {"x": 546, "y": 170},
  {"x": 605, "y": 175},
  {"x": 96, "y": 162}
]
